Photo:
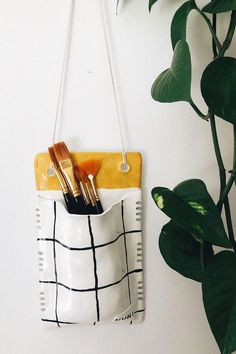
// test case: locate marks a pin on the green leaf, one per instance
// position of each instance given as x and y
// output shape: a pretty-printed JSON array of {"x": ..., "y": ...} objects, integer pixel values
[
  {"x": 218, "y": 6},
  {"x": 218, "y": 86},
  {"x": 151, "y": 3},
  {"x": 191, "y": 207},
  {"x": 181, "y": 252},
  {"x": 219, "y": 297},
  {"x": 179, "y": 22},
  {"x": 174, "y": 84}
]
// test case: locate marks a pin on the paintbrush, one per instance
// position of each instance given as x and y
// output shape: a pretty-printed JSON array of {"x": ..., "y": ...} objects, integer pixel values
[
  {"x": 88, "y": 189},
  {"x": 84, "y": 189},
  {"x": 91, "y": 168},
  {"x": 63, "y": 157},
  {"x": 65, "y": 190}
]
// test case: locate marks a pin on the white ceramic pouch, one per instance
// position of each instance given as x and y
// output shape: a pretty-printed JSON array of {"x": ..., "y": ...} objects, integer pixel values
[{"x": 91, "y": 268}]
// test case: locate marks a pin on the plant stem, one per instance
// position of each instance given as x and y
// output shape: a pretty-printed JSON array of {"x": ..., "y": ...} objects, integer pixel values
[
  {"x": 226, "y": 202},
  {"x": 230, "y": 226},
  {"x": 211, "y": 28},
  {"x": 226, "y": 191},
  {"x": 197, "y": 110},
  {"x": 229, "y": 223},
  {"x": 214, "y": 24},
  {"x": 229, "y": 35},
  {"x": 222, "y": 173},
  {"x": 234, "y": 157}
]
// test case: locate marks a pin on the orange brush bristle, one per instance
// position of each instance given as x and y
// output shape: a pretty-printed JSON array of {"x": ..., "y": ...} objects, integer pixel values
[
  {"x": 77, "y": 173},
  {"x": 63, "y": 157},
  {"x": 61, "y": 151},
  {"x": 82, "y": 183},
  {"x": 58, "y": 173},
  {"x": 91, "y": 167},
  {"x": 66, "y": 167},
  {"x": 83, "y": 175},
  {"x": 53, "y": 157},
  {"x": 83, "y": 178}
]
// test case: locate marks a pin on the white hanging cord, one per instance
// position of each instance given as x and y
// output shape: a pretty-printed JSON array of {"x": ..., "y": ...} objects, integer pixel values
[
  {"x": 64, "y": 69},
  {"x": 124, "y": 165}
]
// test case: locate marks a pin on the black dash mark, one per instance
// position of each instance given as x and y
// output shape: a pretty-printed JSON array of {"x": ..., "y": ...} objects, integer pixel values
[
  {"x": 95, "y": 268},
  {"x": 55, "y": 262},
  {"x": 138, "y": 311},
  {"x": 125, "y": 244}
]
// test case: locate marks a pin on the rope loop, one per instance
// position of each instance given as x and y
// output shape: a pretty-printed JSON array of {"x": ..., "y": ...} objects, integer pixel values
[{"x": 124, "y": 164}]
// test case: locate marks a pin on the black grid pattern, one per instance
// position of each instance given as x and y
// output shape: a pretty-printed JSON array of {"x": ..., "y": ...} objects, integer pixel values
[{"x": 93, "y": 248}]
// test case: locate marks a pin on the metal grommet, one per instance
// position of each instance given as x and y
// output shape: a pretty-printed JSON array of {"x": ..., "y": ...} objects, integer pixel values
[
  {"x": 124, "y": 167},
  {"x": 50, "y": 172}
]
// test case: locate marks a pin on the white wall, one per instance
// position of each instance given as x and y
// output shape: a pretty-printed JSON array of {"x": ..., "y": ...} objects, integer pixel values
[{"x": 175, "y": 144}]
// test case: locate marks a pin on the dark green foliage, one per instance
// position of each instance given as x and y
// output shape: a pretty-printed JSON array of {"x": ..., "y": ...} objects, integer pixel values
[
  {"x": 174, "y": 84},
  {"x": 186, "y": 241},
  {"x": 182, "y": 252},
  {"x": 151, "y": 3},
  {"x": 191, "y": 207},
  {"x": 179, "y": 22},
  {"x": 219, "y": 89},
  {"x": 219, "y": 296},
  {"x": 218, "y": 6}
]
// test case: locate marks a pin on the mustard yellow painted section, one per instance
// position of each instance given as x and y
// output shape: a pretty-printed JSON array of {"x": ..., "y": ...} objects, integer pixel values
[{"x": 109, "y": 176}]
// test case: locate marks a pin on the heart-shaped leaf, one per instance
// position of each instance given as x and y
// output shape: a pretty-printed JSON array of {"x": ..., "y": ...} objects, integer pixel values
[
  {"x": 218, "y": 6},
  {"x": 219, "y": 296},
  {"x": 151, "y": 3},
  {"x": 181, "y": 252},
  {"x": 218, "y": 86},
  {"x": 191, "y": 207},
  {"x": 179, "y": 22},
  {"x": 174, "y": 84}
]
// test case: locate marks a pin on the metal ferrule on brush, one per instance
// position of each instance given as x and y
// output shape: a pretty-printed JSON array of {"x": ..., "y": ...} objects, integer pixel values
[
  {"x": 68, "y": 172},
  {"x": 61, "y": 180},
  {"x": 93, "y": 187},
  {"x": 91, "y": 194},
  {"x": 84, "y": 193}
]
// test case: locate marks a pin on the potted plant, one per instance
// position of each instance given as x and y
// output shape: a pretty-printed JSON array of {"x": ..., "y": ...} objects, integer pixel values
[{"x": 188, "y": 241}]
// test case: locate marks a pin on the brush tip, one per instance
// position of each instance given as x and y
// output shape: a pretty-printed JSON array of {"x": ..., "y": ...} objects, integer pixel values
[
  {"x": 61, "y": 151},
  {"x": 82, "y": 173},
  {"x": 52, "y": 156},
  {"x": 91, "y": 167},
  {"x": 77, "y": 172}
]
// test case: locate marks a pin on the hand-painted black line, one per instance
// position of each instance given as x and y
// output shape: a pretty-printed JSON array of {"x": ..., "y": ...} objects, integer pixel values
[
  {"x": 143, "y": 310},
  {"x": 126, "y": 252},
  {"x": 89, "y": 248},
  {"x": 55, "y": 261},
  {"x": 71, "y": 323},
  {"x": 95, "y": 268},
  {"x": 60, "y": 322},
  {"x": 91, "y": 289}
]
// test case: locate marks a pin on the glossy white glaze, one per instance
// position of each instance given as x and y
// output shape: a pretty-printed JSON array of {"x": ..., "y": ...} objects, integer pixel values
[{"x": 91, "y": 266}]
